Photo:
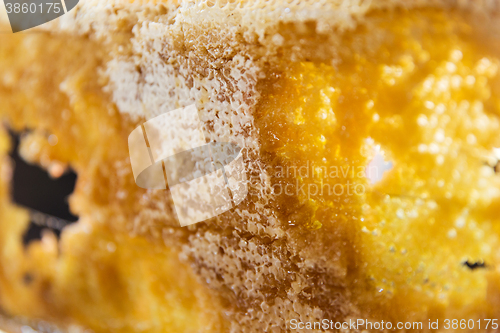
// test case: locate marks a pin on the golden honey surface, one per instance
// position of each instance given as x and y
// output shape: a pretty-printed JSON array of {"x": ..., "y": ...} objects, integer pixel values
[
  {"x": 421, "y": 86},
  {"x": 426, "y": 93}
]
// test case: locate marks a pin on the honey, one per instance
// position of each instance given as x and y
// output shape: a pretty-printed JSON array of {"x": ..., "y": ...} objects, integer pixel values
[
  {"x": 428, "y": 96},
  {"x": 419, "y": 89},
  {"x": 98, "y": 276}
]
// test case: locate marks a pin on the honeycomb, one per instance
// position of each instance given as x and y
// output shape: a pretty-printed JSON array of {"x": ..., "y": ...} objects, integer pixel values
[
  {"x": 427, "y": 95},
  {"x": 313, "y": 92},
  {"x": 87, "y": 277}
]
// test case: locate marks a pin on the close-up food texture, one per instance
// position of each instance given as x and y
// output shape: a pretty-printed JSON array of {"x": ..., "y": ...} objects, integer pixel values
[{"x": 368, "y": 137}]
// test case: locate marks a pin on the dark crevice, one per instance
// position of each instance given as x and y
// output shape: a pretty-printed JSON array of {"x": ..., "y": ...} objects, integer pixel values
[
  {"x": 44, "y": 196},
  {"x": 475, "y": 265}
]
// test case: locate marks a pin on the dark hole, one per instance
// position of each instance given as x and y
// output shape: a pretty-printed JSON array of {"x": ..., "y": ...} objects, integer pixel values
[
  {"x": 27, "y": 278},
  {"x": 34, "y": 232},
  {"x": 475, "y": 265},
  {"x": 45, "y": 197}
]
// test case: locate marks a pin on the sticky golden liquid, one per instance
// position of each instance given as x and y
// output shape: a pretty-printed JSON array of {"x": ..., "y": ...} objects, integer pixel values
[
  {"x": 425, "y": 89},
  {"x": 421, "y": 85}
]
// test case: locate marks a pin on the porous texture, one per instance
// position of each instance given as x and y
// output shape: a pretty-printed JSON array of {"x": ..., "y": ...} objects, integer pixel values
[{"x": 267, "y": 261}]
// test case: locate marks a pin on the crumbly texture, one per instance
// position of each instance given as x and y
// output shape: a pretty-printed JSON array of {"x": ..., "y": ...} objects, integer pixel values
[{"x": 308, "y": 91}]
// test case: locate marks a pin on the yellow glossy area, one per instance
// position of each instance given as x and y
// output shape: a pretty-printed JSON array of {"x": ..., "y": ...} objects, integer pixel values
[
  {"x": 98, "y": 276},
  {"x": 426, "y": 89},
  {"x": 101, "y": 280},
  {"x": 422, "y": 85}
]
